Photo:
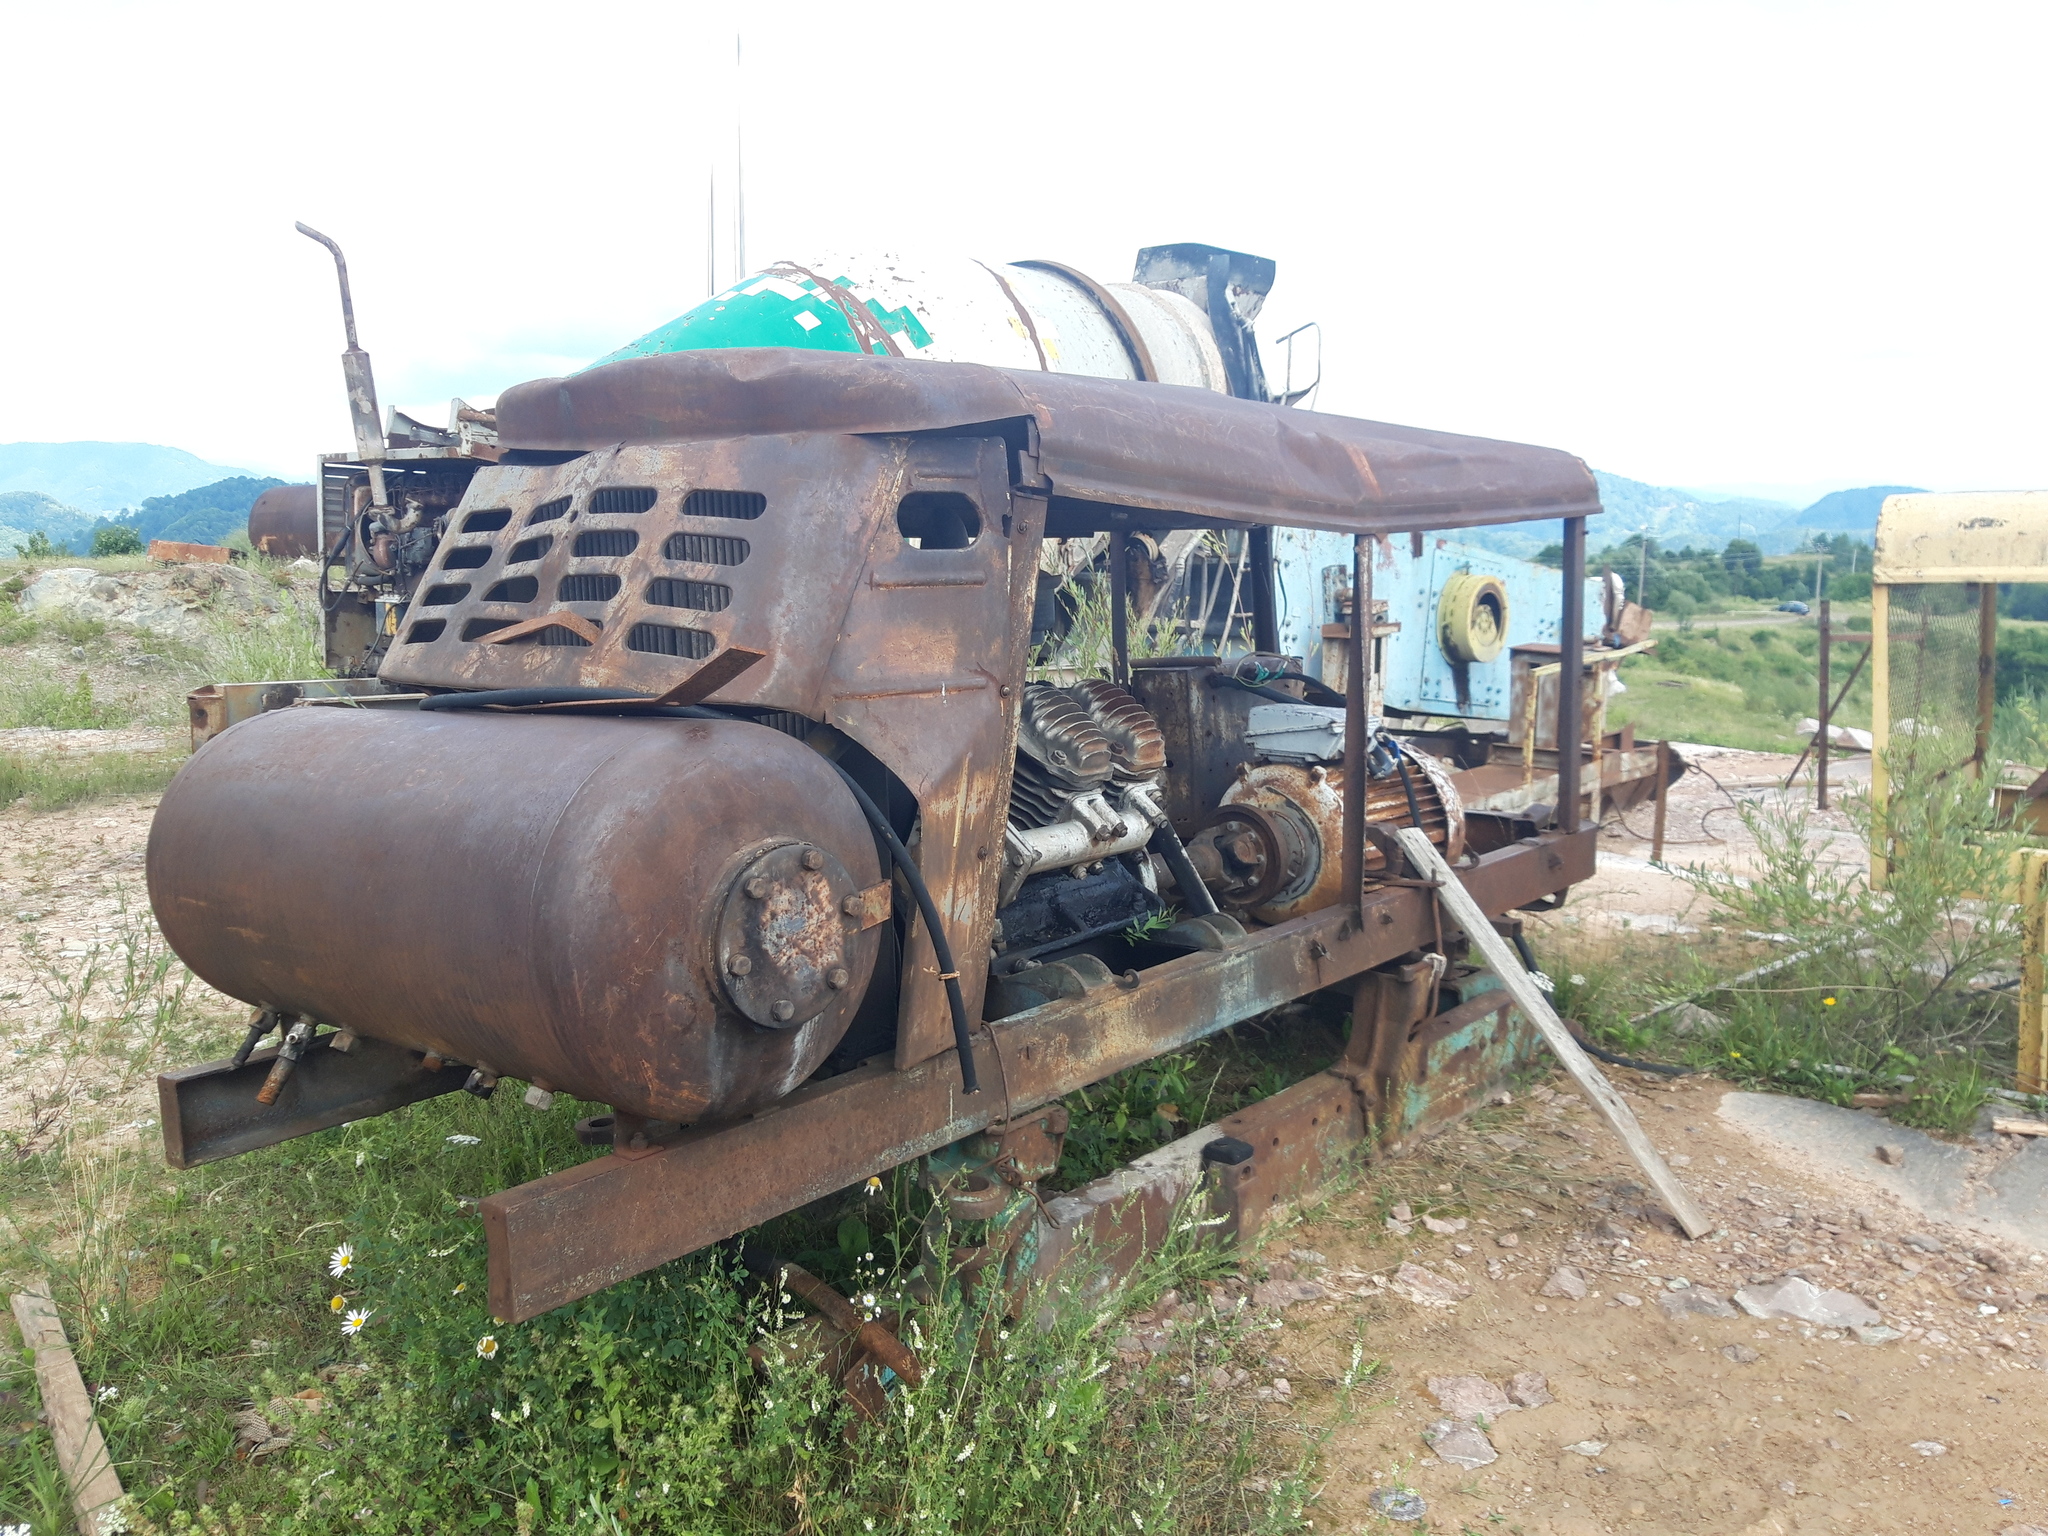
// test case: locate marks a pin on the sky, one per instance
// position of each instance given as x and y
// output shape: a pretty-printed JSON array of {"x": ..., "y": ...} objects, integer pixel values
[{"x": 1696, "y": 242}]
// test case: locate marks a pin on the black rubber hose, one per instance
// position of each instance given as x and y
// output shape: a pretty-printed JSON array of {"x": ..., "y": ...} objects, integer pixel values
[
  {"x": 1600, "y": 1052},
  {"x": 956, "y": 1001},
  {"x": 1167, "y": 844},
  {"x": 948, "y": 971},
  {"x": 1408, "y": 783},
  {"x": 527, "y": 698}
]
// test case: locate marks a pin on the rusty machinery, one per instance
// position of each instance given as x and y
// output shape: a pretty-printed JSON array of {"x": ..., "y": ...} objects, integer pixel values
[{"x": 707, "y": 778}]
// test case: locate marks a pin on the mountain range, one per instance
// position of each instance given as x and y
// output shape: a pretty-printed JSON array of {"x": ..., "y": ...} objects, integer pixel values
[
  {"x": 104, "y": 477},
  {"x": 66, "y": 490},
  {"x": 1675, "y": 517}
]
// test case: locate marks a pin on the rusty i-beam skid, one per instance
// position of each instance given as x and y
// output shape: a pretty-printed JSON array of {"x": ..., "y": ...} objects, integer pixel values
[{"x": 580, "y": 1230}]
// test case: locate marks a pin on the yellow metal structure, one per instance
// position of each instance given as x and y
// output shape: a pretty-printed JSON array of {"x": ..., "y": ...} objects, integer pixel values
[
  {"x": 2033, "y": 884},
  {"x": 1974, "y": 538}
]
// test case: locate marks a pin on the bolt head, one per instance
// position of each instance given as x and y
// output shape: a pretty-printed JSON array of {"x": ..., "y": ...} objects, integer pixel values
[
  {"x": 850, "y": 906},
  {"x": 814, "y": 859},
  {"x": 740, "y": 965},
  {"x": 783, "y": 1011},
  {"x": 757, "y": 888},
  {"x": 836, "y": 978}
]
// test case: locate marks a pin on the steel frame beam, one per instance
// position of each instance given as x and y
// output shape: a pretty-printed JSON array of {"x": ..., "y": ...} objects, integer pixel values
[{"x": 587, "y": 1227}]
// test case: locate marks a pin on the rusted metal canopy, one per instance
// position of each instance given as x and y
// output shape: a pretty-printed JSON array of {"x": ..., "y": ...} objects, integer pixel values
[{"x": 1176, "y": 451}]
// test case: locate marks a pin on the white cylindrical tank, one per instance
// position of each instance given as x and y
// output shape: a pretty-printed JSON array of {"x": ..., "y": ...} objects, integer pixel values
[{"x": 1017, "y": 315}]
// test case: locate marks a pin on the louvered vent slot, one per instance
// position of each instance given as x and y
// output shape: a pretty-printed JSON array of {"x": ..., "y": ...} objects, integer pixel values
[
  {"x": 425, "y": 630},
  {"x": 514, "y": 589},
  {"x": 667, "y": 640},
  {"x": 466, "y": 559},
  {"x": 621, "y": 500},
  {"x": 735, "y": 504},
  {"x": 476, "y": 629},
  {"x": 587, "y": 589},
  {"x": 487, "y": 522},
  {"x": 548, "y": 511},
  {"x": 553, "y": 634},
  {"x": 530, "y": 549},
  {"x": 442, "y": 596},
  {"x": 607, "y": 542},
  {"x": 704, "y": 548},
  {"x": 704, "y": 596}
]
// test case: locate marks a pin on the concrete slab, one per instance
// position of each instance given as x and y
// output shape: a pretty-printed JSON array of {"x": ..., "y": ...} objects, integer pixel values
[{"x": 2000, "y": 1194}]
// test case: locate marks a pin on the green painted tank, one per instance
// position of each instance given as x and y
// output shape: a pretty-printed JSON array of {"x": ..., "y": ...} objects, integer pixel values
[{"x": 1012, "y": 315}]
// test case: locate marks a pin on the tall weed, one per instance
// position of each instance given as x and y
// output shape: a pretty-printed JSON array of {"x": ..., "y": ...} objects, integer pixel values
[{"x": 1882, "y": 985}]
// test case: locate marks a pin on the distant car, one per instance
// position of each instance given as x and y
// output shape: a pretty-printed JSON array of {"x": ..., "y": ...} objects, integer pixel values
[{"x": 1794, "y": 607}]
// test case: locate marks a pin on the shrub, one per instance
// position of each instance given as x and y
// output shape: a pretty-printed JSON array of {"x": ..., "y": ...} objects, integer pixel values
[{"x": 116, "y": 540}]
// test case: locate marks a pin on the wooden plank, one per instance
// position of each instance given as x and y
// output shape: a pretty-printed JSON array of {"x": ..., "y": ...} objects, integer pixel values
[
  {"x": 2007, "y": 1127},
  {"x": 1600, "y": 1093},
  {"x": 81, "y": 1451}
]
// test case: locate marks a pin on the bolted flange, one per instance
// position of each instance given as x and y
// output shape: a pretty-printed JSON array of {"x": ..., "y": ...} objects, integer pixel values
[{"x": 781, "y": 935}]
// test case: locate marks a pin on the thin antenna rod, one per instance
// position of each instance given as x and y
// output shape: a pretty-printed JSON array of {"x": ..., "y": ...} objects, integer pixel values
[{"x": 739, "y": 165}]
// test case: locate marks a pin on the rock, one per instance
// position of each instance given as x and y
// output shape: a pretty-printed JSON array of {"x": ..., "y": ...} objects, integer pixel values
[
  {"x": 1402, "y": 1212},
  {"x": 1307, "y": 1256},
  {"x": 1400, "y": 1228},
  {"x": 1279, "y": 1269},
  {"x": 1445, "y": 1228},
  {"x": 1495, "y": 1269},
  {"x": 1509, "y": 1240},
  {"x": 1406, "y": 1504},
  {"x": 1587, "y": 1447},
  {"x": 1528, "y": 1389},
  {"x": 1469, "y": 1397},
  {"x": 1741, "y": 1354},
  {"x": 1282, "y": 1294},
  {"x": 1866, "y": 1218},
  {"x": 1874, "y": 1333},
  {"x": 1801, "y": 1299},
  {"x": 1891, "y": 1153},
  {"x": 1922, "y": 1242},
  {"x": 1283, "y": 1390},
  {"x": 1930, "y": 1447},
  {"x": 1507, "y": 1141},
  {"x": 1692, "y": 1019},
  {"x": 2024, "y": 1530},
  {"x": 1425, "y": 1289},
  {"x": 1693, "y": 1302},
  {"x": 1993, "y": 1260},
  {"x": 1611, "y": 1231},
  {"x": 1462, "y": 1445},
  {"x": 166, "y": 601},
  {"x": 1565, "y": 1281},
  {"x": 1627, "y": 1300}
]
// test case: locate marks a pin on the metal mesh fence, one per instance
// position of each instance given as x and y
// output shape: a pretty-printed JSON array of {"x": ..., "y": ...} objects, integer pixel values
[{"x": 1933, "y": 633}]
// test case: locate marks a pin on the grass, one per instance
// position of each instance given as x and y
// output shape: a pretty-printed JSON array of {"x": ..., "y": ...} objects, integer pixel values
[
  {"x": 1895, "y": 992},
  {"x": 636, "y": 1410},
  {"x": 50, "y": 783}
]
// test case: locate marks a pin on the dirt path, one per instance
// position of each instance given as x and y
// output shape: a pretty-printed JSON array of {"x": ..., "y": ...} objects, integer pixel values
[
  {"x": 85, "y": 1005},
  {"x": 1666, "y": 1419}
]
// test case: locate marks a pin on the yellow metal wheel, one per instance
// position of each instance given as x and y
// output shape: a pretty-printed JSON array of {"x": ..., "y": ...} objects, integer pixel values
[{"x": 1472, "y": 617}]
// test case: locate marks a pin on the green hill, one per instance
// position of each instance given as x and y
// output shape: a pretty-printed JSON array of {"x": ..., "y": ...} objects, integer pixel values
[{"x": 104, "y": 477}]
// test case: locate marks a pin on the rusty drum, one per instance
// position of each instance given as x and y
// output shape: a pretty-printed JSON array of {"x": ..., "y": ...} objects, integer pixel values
[
  {"x": 662, "y": 915},
  {"x": 285, "y": 522}
]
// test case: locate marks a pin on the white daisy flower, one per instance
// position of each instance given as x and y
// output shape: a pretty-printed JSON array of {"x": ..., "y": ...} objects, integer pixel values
[
  {"x": 487, "y": 1347},
  {"x": 464, "y": 1141},
  {"x": 353, "y": 1323},
  {"x": 342, "y": 1260}
]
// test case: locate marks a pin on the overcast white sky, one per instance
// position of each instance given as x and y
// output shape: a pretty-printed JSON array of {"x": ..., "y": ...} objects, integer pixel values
[{"x": 1697, "y": 242}]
